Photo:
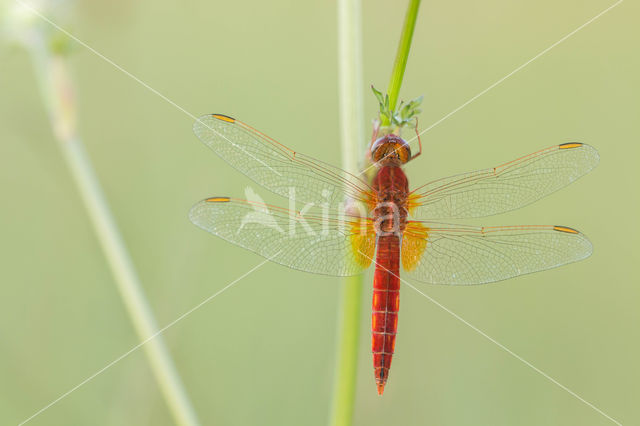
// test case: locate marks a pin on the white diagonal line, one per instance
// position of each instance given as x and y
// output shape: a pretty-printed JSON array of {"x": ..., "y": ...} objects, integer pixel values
[
  {"x": 124, "y": 355},
  {"x": 510, "y": 352},
  {"x": 507, "y": 76},
  {"x": 516, "y": 70},
  {"x": 500, "y": 345},
  {"x": 151, "y": 89}
]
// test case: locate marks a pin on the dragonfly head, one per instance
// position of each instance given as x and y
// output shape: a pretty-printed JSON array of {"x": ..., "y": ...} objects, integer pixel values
[{"x": 390, "y": 150}]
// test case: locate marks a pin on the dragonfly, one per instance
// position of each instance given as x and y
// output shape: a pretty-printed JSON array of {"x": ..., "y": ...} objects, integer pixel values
[{"x": 349, "y": 223}]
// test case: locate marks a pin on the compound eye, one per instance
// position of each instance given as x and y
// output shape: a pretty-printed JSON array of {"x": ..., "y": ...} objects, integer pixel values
[{"x": 391, "y": 147}]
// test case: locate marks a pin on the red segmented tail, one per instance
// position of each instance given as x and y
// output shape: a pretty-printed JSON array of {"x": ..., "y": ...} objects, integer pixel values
[{"x": 386, "y": 298}]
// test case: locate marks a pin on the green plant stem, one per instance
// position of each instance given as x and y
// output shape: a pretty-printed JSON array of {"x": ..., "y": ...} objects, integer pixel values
[
  {"x": 57, "y": 89},
  {"x": 348, "y": 337},
  {"x": 402, "y": 55},
  {"x": 353, "y": 147}
]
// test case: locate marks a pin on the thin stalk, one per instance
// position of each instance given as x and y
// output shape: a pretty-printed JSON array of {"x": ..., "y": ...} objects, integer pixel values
[
  {"x": 353, "y": 147},
  {"x": 402, "y": 55},
  {"x": 347, "y": 360},
  {"x": 57, "y": 89}
]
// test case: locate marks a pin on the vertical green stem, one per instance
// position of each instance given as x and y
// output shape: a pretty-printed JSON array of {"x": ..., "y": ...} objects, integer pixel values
[
  {"x": 402, "y": 55},
  {"x": 57, "y": 90},
  {"x": 347, "y": 360},
  {"x": 353, "y": 148}
]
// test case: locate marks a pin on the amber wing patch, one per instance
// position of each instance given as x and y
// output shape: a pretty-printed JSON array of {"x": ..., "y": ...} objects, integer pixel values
[
  {"x": 363, "y": 242},
  {"x": 371, "y": 200},
  {"x": 413, "y": 201},
  {"x": 414, "y": 243}
]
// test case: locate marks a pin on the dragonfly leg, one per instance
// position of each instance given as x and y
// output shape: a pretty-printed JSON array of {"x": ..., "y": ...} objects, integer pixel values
[
  {"x": 419, "y": 142},
  {"x": 374, "y": 137}
]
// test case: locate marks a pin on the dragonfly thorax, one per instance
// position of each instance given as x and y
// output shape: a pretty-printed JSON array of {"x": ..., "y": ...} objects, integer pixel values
[
  {"x": 390, "y": 211},
  {"x": 389, "y": 219}
]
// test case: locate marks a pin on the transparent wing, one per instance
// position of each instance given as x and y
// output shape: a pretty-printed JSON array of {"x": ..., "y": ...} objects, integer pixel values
[
  {"x": 503, "y": 188},
  {"x": 309, "y": 243},
  {"x": 275, "y": 166},
  {"x": 464, "y": 255}
]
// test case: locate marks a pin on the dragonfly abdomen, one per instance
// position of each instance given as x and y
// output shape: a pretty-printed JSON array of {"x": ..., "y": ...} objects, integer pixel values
[{"x": 386, "y": 298}]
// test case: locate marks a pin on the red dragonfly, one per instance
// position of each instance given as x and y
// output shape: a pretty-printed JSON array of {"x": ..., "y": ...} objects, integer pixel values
[{"x": 346, "y": 219}]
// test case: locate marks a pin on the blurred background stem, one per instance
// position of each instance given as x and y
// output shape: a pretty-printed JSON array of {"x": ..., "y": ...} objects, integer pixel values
[
  {"x": 352, "y": 139},
  {"x": 52, "y": 70}
]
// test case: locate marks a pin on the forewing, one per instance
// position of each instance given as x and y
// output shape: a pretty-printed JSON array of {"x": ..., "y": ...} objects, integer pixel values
[
  {"x": 275, "y": 166},
  {"x": 465, "y": 255},
  {"x": 505, "y": 187},
  {"x": 323, "y": 245}
]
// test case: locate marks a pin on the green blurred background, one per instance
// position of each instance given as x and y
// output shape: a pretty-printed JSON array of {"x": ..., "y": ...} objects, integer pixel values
[{"x": 263, "y": 352}]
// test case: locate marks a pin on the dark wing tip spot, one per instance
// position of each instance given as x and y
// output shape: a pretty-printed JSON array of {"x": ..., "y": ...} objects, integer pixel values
[
  {"x": 565, "y": 229},
  {"x": 224, "y": 118},
  {"x": 218, "y": 200},
  {"x": 568, "y": 145}
]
